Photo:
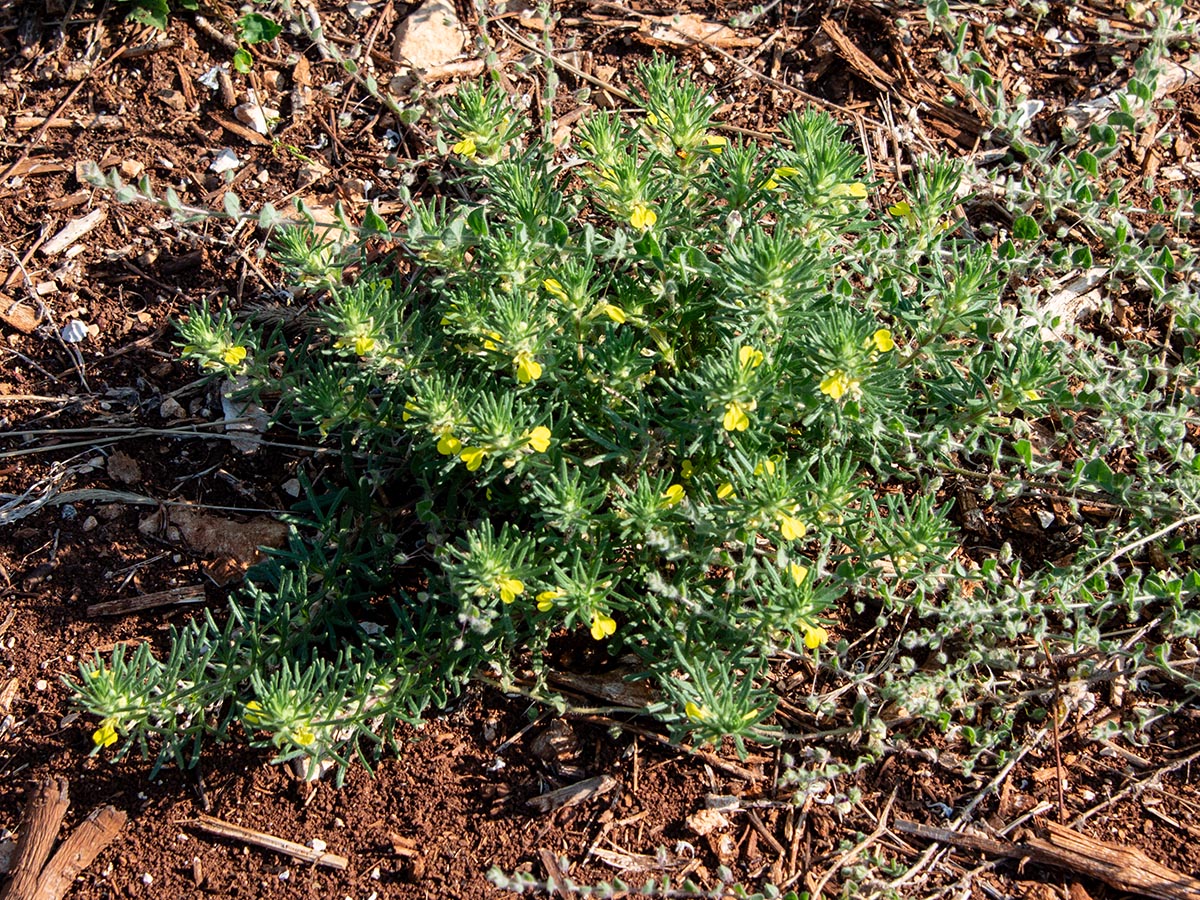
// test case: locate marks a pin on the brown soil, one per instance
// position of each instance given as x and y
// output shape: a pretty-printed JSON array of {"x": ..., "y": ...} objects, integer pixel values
[{"x": 432, "y": 821}]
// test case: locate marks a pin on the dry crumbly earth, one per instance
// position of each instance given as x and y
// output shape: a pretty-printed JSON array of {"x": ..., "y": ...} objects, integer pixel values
[{"x": 94, "y": 417}]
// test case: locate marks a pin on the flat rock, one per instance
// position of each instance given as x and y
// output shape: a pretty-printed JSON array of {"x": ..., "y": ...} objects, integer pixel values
[{"x": 431, "y": 35}]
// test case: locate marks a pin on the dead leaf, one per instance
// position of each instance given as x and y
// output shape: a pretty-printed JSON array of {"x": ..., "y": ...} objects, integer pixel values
[
  {"x": 215, "y": 536},
  {"x": 691, "y": 28}
]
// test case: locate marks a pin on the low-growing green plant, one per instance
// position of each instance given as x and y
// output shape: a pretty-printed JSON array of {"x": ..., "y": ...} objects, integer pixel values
[{"x": 677, "y": 395}]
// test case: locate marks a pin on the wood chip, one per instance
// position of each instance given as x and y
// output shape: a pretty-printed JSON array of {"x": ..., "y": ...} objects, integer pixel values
[
  {"x": 19, "y": 316},
  {"x": 220, "y": 828},
  {"x": 73, "y": 231},
  {"x": 246, "y": 134}
]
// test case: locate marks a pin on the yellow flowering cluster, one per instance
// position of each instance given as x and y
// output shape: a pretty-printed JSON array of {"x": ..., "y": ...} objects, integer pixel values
[
  {"x": 839, "y": 383},
  {"x": 737, "y": 412}
]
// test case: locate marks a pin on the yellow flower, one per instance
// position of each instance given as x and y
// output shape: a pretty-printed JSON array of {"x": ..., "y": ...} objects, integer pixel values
[
  {"x": 673, "y": 495},
  {"x": 254, "y": 713},
  {"x": 903, "y": 210},
  {"x": 882, "y": 339},
  {"x": 737, "y": 415},
  {"x": 449, "y": 445},
  {"x": 792, "y": 528},
  {"x": 697, "y": 713},
  {"x": 364, "y": 344},
  {"x": 554, "y": 287},
  {"x": 106, "y": 735},
  {"x": 767, "y": 466},
  {"x": 509, "y": 588},
  {"x": 539, "y": 438},
  {"x": 651, "y": 118},
  {"x": 1031, "y": 395},
  {"x": 603, "y": 626},
  {"x": 495, "y": 338},
  {"x": 545, "y": 600},
  {"x": 615, "y": 312},
  {"x": 750, "y": 358},
  {"x": 725, "y": 491},
  {"x": 798, "y": 572},
  {"x": 837, "y": 384},
  {"x": 686, "y": 469},
  {"x": 814, "y": 636},
  {"x": 857, "y": 190},
  {"x": 778, "y": 175},
  {"x": 409, "y": 409},
  {"x": 716, "y": 143},
  {"x": 528, "y": 368},
  {"x": 303, "y": 737},
  {"x": 466, "y": 147},
  {"x": 233, "y": 355},
  {"x": 473, "y": 457},
  {"x": 642, "y": 217}
]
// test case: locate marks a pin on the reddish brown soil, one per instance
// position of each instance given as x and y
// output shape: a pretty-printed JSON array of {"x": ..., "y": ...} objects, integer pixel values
[{"x": 444, "y": 801}]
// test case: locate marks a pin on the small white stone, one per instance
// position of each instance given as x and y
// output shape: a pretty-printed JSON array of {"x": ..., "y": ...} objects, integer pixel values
[
  {"x": 74, "y": 332},
  {"x": 225, "y": 161},
  {"x": 318, "y": 845},
  {"x": 89, "y": 524},
  {"x": 41, "y": 684},
  {"x": 708, "y": 67},
  {"x": 291, "y": 487},
  {"x": 285, "y": 875},
  {"x": 147, "y": 878}
]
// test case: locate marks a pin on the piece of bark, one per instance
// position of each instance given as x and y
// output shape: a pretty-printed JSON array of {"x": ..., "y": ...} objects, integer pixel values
[
  {"x": 47, "y": 803},
  {"x": 1118, "y": 866},
  {"x": 859, "y": 61},
  {"x": 19, "y": 316},
  {"x": 191, "y": 593},
  {"x": 83, "y": 845},
  {"x": 73, "y": 231},
  {"x": 269, "y": 842},
  {"x": 573, "y": 793}
]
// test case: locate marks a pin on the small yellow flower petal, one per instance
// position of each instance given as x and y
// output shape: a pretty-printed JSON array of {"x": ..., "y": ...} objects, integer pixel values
[
  {"x": 697, "y": 713},
  {"x": 1031, "y": 395},
  {"x": 736, "y": 417},
  {"x": 466, "y": 147},
  {"x": 615, "y": 313},
  {"x": 673, "y": 495},
  {"x": 798, "y": 572},
  {"x": 750, "y": 358},
  {"x": 528, "y": 368},
  {"x": 409, "y": 409},
  {"x": 815, "y": 636},
  {"x": 539, "y": 439},
  {"x": 883, "y": 341},
  {"x": 545, "y": 600},
  {"x": 303, "y": 737},
  {"x": 716, "y": 143},
  {"x": 857, "y": 190},
  {"x": 837, "y": 384},
  {"x": 449, "y": 445},
  {"x": 603, "y": 626},
  {"x": 554, "y": 287},
  {"x": 106, "y": 735},
  {"x": 686, "y": 469},
  {"x": 233, "y": 355},
  {"x": 767, "y": 467},
  {"x": 473, "y": 457},
  {"x": 725, "y": 491},
  {"x": 792, "y": 528},
  {"x": 509, "y": 588},
  {"x": 364, "y": 344},
  {"x": 642, "y": 216}
]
